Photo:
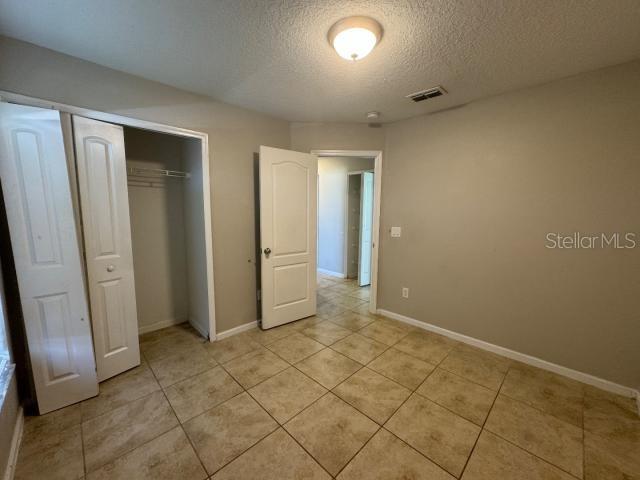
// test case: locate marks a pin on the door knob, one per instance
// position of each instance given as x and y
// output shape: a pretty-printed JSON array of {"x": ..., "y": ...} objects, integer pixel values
[
  {"x": 267, "y": 252},
  {"x": 110, "y": 268}
]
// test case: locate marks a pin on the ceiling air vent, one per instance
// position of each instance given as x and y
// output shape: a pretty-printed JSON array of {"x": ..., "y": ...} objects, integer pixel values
[{"x": 426, "y": 94}]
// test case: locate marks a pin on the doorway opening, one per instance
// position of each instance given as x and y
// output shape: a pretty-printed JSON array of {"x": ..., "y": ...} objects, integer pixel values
[{"x": 348, "y": 219}]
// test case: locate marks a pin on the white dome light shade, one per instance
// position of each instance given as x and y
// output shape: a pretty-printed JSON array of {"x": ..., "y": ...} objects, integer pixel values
[
  {"x": 354, "y": 43},
  {"x": 354, "y": 37}
]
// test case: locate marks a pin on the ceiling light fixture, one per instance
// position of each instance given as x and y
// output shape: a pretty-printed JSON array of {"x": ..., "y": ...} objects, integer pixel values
[{"x": 354, "y": 37}]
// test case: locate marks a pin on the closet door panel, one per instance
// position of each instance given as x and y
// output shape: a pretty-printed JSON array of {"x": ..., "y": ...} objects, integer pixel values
[
  {"x": 104, "y": 202},
  {"x": 111, "y": 305},
  {"x": 36, "y": 188}
]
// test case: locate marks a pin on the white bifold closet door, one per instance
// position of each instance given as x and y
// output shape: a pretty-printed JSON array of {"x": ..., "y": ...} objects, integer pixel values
[
  {"x": 35, "y": 182},
  {"x": 288, "y": 220},
  {"x": 104, "y": 204}
]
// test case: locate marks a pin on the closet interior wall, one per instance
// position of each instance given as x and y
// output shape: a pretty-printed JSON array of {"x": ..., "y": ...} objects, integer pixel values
[{"x": 158, "y": 230}]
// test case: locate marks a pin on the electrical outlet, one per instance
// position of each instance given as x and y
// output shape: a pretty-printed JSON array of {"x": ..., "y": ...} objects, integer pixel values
[{"x": 405, "y": 292}]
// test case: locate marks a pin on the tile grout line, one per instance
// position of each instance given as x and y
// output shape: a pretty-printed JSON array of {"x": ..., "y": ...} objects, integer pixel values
[
  {"x": 304, "y": 358},
  {"x": 281, "y": 425},
  {"x": 417, "y": 451},
  {"x": 253, "y": 444},
  {"x": 160, "y": 388},
  {"x": 485, "y": 421},
  {"x": 134, "y": 448},
  {"x": 465, "y": 379},
  {"x": 379, "y": 426},
  {"x": 306, "y": 451},
  {"x": 204, "y": 348},
  {"x": 244, "y": 390},
  {"x": 532, "y": 454},
  {"x": 497, "y": 392},
  {"x": 84, "y": 459},
  {"x": 390, "y": 416},
  {"x": 189, "y": 377},
  {"x": 328, "y": 391},
  {"x": 513, "y": 443},
  {"x": 179, "y": 422},
  {"x": 363, "y": 413},
  {"x": 361, "y": 448},
  {"x": 541, "y": 410},
  {"x": 314, "y": 380}
]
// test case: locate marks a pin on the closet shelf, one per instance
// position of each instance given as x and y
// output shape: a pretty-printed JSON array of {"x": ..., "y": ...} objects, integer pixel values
[{"x": 156, "y": 173}]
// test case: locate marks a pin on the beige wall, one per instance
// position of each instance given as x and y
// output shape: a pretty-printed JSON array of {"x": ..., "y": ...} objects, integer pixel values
[
  {"x": 336, "y": 136},
  {"x": 476, "y": 189},
  {"x": 234, "y": 135}
]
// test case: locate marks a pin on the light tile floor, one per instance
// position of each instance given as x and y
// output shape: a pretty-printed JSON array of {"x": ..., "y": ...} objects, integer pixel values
[{"x": 345, "y": 394}]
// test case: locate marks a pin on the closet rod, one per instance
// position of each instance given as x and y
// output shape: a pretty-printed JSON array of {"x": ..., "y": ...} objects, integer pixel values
[{"x": 156, "y": 172}]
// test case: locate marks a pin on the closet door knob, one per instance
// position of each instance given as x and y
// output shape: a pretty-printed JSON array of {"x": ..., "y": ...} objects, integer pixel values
[
  {"x": 267, "y": 252},
  {"x": 110, "y": 268}
]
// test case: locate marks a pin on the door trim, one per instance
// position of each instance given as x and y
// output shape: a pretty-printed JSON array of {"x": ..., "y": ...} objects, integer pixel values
[
  {"x": 154, "y": 127},
  {"x": 377, "y": 190}
]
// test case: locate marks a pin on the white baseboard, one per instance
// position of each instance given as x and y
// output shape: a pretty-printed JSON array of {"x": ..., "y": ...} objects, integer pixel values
[
  {"x": 332, "y": 274},
  {"x": 521, "y": 357},
  {"x": 16, "y": 438},
  {"x": 170, "y": 322},
  {"x": 235, "y": 330}
]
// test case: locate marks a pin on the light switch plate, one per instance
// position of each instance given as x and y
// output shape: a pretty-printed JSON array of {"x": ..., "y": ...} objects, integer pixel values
[{"x": 396, "y": 232}]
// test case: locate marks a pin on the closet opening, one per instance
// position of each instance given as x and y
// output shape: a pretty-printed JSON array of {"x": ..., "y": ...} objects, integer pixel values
[{"x": 164, "y": 185}]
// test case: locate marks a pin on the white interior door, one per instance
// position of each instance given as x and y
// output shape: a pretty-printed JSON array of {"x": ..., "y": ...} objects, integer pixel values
[
  {"x": 288, "y": 204},
  {"x": 366, "y": 228},
  {"x": 104, "y": 203},
  {"x": 35, "y": 183}
]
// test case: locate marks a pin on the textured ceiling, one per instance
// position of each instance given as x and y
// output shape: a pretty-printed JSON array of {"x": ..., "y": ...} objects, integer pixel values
[{"x": 272, "y": 55}]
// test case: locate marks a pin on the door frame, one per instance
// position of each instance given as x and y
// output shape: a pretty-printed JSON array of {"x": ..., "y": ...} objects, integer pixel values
[
  {"x": 360, "y": 230},
  {"x": 159, "y": 128},
  {"x": 377, "y": 190}
]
